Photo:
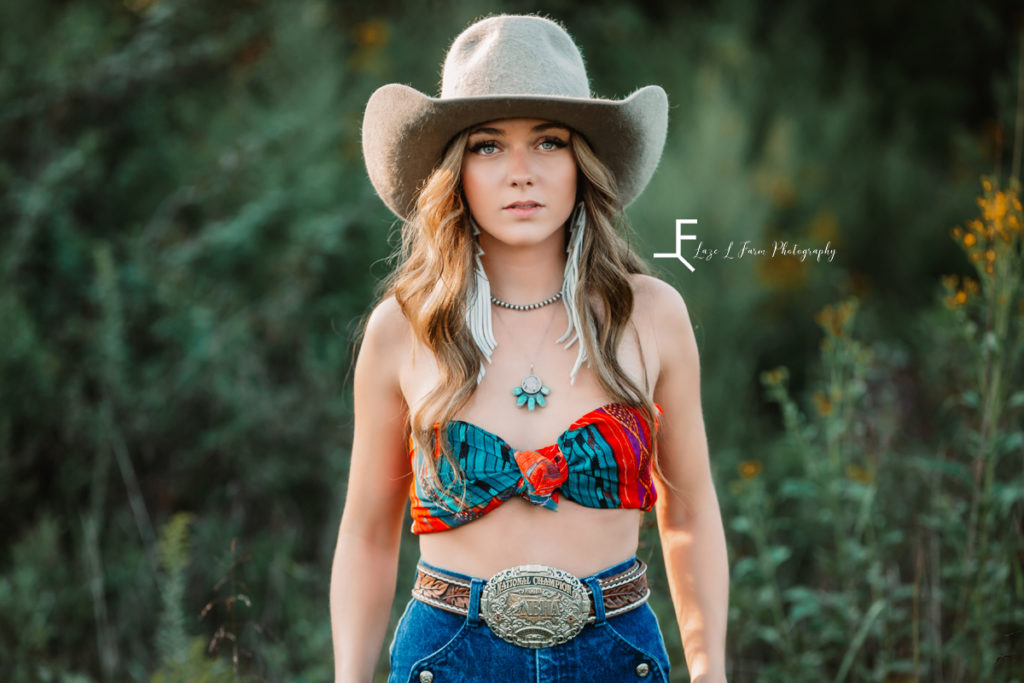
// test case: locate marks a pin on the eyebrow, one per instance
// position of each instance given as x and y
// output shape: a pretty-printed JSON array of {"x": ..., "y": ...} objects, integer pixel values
[{"x": 536, "y": 129}]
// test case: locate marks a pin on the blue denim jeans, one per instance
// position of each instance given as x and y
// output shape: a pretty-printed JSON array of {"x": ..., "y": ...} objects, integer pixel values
[{"x": 463, "y": 649}]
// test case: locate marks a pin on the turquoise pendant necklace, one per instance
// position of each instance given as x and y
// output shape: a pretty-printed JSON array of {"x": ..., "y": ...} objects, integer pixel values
[{"x": 531, "y": 392}]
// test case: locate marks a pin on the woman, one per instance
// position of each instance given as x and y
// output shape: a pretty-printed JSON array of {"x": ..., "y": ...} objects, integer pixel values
[{"x": 470, "y": 401}]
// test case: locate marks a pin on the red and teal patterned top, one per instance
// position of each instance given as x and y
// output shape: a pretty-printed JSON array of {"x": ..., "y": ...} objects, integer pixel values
[{"x": 602, "y": 461}]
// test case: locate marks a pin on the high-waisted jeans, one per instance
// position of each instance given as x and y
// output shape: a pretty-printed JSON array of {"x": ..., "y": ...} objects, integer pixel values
[{"x": 432, "y": 645}]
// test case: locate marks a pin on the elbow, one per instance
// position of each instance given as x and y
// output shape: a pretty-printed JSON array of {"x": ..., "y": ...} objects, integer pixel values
[{"x": 683, "y": 510}]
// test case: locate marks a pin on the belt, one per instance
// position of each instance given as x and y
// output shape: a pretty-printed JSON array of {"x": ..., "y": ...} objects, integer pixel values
[{"x": 534, "y": 605}]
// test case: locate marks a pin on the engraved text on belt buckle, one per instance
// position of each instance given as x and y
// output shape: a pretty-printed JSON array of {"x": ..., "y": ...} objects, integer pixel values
[{"x": 534, "y": 605}]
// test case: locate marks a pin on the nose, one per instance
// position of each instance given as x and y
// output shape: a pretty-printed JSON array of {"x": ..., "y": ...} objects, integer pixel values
[{"x": 519, "y": 173}]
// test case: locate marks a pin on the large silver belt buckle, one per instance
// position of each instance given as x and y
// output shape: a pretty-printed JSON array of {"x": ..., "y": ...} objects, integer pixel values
[{"x": 534, "y": 605}]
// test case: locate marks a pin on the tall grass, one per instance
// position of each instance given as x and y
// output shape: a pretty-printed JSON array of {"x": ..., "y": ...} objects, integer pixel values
[{"x": 866, "y": 552}]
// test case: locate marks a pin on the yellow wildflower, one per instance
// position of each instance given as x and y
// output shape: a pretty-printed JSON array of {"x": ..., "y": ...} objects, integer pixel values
[
  {"x": 783, "y": 273},
  {"x": 776, "y": 186},
  {"x": 969, "y": 240},
  {"x": 824, "y": 226},
  {"x": 775, "y": 375},
  {"x": 845, "y": 311},
  {"x": 750, "y": 468},
  {"x": 822, "y": 404},
  {"x": 994, "y": 208},
  {"x": 825, "y": 317},
  {"x": 834, "y": 319},
  {"x": 858, "y": 473},
  {"x": 371, "y": 33}
]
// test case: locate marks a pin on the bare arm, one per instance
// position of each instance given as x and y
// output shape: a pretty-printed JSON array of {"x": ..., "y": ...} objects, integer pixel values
[
  {"x": 689, "y": 519},
  {"x": 366, "y": 557}
]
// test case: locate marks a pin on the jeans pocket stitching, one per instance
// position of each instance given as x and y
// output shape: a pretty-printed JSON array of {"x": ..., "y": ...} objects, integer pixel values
[
  {"x": 656, "y": 661},
  {"x": 442, "y": 653}
]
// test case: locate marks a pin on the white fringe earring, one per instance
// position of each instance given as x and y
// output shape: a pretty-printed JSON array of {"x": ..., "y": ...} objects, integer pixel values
[
  {"x": 571, "y": 285},
  {"x": 478, "y": 307}
]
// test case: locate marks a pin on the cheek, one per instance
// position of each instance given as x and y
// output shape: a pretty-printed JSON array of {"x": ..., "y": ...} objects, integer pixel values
[
  {"x": 469, "y": 186},
  {"x": 473, "y": 181},
  {"x": 567, "y": 178}
]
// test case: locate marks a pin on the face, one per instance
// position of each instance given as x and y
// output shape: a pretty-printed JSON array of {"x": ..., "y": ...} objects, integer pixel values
[{"x": 519, "y": 177}]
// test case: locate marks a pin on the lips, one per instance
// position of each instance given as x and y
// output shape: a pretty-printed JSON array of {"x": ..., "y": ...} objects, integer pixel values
[{"x": 524, "y": 205}]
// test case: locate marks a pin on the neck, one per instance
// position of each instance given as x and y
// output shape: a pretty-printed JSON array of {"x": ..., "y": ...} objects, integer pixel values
[{"x": 524, "y": 274}]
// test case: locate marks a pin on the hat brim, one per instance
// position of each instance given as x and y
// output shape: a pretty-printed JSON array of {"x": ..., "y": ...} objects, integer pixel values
[{"x": 405, "y": 132}]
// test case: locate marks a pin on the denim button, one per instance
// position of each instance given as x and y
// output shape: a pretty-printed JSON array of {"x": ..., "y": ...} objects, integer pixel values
[
  {"x": 426, "y": 677},
  {"x": 642, "y": 669}
]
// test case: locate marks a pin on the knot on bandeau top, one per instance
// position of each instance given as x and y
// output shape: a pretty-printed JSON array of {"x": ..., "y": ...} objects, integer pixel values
[{"x": 542, "y": 474}]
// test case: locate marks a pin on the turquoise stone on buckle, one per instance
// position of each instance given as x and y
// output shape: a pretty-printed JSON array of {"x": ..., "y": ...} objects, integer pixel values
[{"x": 531, "y": 393}]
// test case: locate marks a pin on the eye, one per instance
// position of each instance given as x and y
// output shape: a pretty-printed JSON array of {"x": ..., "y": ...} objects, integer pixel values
[
  {"x": 551, "y": 144},
  {"x": 484, "y": 148}
]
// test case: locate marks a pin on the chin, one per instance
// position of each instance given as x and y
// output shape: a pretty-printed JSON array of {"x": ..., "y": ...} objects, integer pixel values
[
  {"x": 525, "y": 234},
  {"x": 525, "y": 240}
]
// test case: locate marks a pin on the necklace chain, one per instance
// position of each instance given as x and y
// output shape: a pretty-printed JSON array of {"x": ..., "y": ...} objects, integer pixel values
[
  {"x": 525, "y": 307},
  {"x": 540, "y": 344},
  {"x": 531, "y": 391}
]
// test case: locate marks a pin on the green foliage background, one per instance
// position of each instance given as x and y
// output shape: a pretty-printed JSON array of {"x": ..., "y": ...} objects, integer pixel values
[{"x": 188, "y": 242}]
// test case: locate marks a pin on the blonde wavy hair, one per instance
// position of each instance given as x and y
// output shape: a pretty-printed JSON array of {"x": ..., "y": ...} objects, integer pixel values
[{"x": 434, "y": 280}]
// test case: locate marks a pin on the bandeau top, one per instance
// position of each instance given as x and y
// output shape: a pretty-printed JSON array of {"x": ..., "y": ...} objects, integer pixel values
[{"x": 603, "y": 460}]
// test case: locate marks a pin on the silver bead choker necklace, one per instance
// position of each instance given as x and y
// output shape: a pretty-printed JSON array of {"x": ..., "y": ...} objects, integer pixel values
[{"x": 525, "y": 307}]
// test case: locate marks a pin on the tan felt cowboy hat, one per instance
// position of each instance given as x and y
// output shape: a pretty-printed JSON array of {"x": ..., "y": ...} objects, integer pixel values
[{"x": 508, "y": 66}]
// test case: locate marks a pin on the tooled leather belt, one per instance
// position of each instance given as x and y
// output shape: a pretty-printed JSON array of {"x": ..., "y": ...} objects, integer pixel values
[{"x": 534, "y": 605}]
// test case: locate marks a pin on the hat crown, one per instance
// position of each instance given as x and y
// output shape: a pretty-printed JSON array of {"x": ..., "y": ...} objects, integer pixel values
[{"x": 514, "y": 55}]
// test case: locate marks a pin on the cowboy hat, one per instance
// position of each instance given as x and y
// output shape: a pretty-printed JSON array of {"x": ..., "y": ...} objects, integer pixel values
[{"x": 508, "y": 66}]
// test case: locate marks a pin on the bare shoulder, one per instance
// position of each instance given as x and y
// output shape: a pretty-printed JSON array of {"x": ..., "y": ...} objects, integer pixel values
[
  {"x": 386, "y": 339},
  {"x": 663, "y": 320},
  {"x": 657, "y": 300},
  {"x": 387, "y": 323}
]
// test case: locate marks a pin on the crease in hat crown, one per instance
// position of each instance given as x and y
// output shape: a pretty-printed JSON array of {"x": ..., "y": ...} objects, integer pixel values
[
  {"x": 501, "y": 67},
  {"x": 514, "y": 55}
]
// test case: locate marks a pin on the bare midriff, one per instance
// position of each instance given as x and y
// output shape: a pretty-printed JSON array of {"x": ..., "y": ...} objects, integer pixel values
[{"x": 575, "y": 538}]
